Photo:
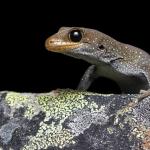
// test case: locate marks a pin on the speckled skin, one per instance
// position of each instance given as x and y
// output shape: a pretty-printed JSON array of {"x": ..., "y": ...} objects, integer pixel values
[{"x": 127, "y": 65}]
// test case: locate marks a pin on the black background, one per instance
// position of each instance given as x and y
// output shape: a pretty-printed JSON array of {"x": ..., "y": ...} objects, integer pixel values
[{"x": 26, "y": 66}]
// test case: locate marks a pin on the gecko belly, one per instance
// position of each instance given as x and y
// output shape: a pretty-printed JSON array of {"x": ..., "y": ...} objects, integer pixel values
[{"x": 128, "y": 84}]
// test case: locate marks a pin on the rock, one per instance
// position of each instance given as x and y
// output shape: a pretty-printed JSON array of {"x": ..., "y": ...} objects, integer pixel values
[{"x": 73, "y": 120}]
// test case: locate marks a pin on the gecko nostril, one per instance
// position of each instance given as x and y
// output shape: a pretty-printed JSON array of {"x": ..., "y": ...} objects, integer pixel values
[
  {"x": 48, "y": 42},
  {"x": 51, "y": 41}
]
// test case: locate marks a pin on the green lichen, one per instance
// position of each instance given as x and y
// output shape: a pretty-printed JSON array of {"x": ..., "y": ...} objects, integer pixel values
[
  {"x": 62, "y": 105},
  {"x": 16, "y": 100},
  {"x": 31, "y": 111},
  {"x": 139, "y": 133},
  {"x": 94, "y": 108},
  {"x": 110, "y": 130},
  {"x": 59, "y": 107},
  {"x": 50, "y": 135},
  {"x": 121, "y": 125}
]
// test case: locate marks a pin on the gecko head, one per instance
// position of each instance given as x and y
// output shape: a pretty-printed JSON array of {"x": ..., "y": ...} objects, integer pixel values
[
  {"x": 74, "y": 41},
  {"x": 62, "y": 40}
]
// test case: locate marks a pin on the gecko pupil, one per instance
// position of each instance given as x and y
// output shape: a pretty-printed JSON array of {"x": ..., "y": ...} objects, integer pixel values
[{"x": 75, "y": 35}]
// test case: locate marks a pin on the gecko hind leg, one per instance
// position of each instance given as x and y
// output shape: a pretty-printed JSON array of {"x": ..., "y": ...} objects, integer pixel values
[
  {"x": 88, "y": 77},
  {"x": 144, "y": 94}
]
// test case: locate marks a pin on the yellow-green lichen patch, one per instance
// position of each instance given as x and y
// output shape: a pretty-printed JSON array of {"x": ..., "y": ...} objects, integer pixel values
[
  {"x": 49, "y": 135},
  {"x": 62, "y": 105},
  {"x": 143, "y": 134},
  {"x": 94, "y": 107},
  {"x": 121, "y": 125},
  {"x": 57, "y": 107},
  {"x": 15, "y": 99},
  {"x": 31, "y": 110},
  {"x": 138, "y": 133},
  {"x": 110, "y": 130}
]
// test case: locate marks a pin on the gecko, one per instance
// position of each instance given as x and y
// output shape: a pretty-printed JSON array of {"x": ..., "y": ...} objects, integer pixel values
[{"x": 127, "y": 65}]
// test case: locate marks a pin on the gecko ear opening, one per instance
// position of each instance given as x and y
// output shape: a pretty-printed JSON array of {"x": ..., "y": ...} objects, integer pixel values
[
  {"x": 75, "y": 35},
  {"x": 101, "y": 47}
]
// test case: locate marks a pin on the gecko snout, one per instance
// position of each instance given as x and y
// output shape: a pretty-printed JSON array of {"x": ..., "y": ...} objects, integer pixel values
[
  {"x": 50, "y": 44},
  {"x": 59, "y": 45}
]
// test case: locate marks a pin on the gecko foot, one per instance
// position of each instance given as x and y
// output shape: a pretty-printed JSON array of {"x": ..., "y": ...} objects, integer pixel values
[{"x": 144, "y": 94}]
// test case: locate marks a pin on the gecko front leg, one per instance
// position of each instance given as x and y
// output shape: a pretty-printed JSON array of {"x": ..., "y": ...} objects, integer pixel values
[{"x": 87, "y": 79}]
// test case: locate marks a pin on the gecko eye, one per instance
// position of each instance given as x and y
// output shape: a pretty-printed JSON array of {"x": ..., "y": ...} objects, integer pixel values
[{"x": 75, "y": 35}]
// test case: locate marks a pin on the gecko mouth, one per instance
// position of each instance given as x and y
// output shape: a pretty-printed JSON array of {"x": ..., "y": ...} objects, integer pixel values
[{"x": 60, "y": 46}]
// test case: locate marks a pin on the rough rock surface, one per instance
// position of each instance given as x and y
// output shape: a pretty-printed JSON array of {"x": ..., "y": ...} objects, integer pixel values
[{"x": 73, "y": 120}]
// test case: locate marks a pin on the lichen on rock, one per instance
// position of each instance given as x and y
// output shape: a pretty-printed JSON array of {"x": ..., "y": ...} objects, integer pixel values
[{"x": 68, "y": 119}]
